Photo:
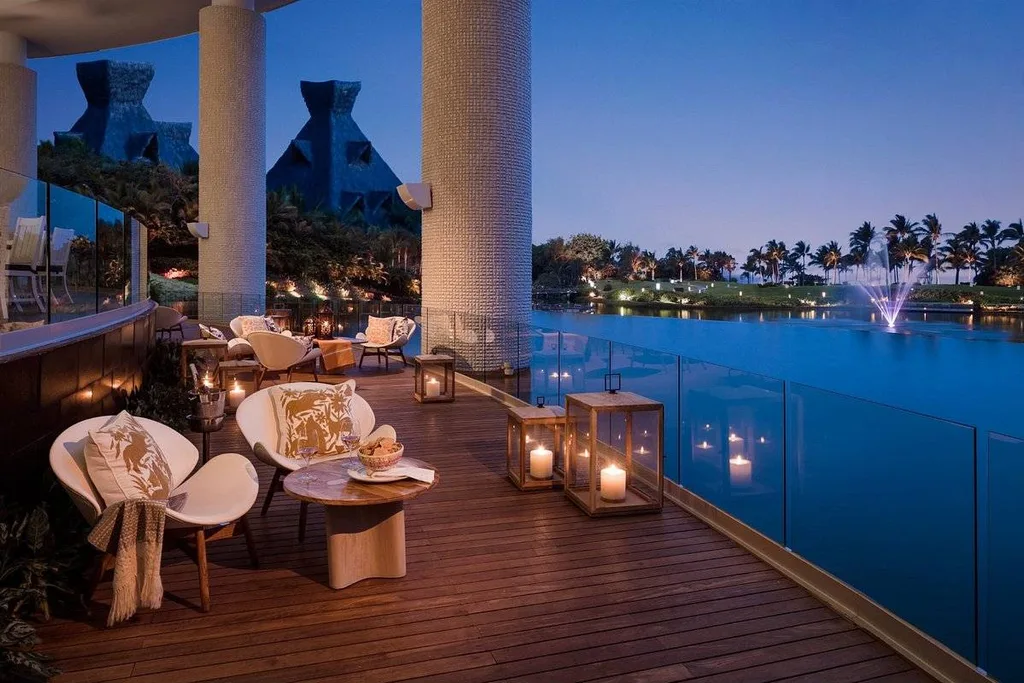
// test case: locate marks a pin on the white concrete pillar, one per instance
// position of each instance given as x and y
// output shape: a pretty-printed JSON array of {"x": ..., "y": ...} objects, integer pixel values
[
  {"x": 476, "y": 156},
  {"x": 18, "y": 196},
  {"x": 232, "y": 160}
]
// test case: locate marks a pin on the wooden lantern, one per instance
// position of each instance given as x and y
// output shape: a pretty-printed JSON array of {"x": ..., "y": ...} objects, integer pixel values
[
  {"x": 613, "y": 452},
  {"x": 434, "y": 378},
  {"x": 534, "y": 457},
  {"x": 325, "y": 321}
]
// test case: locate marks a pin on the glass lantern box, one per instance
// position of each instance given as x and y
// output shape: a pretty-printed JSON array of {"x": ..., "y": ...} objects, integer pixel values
[
  {"x": 533, "y": 458},
  {"x": 613, "y": 452},
  {"x": 433, "y": 378}
]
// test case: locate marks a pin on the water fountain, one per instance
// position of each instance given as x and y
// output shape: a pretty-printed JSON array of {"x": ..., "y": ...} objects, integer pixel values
[{"x": 877, "y": 282}]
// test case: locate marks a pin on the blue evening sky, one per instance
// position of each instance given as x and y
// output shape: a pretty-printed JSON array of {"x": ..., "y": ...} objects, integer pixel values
[{"x": 667, "y": 123}]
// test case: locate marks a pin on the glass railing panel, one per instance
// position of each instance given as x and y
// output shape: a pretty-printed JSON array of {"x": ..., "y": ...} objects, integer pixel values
[
  {"x": 112, "y": 256},
  {"x": 23, "y": 238},
  {"x": 501, "y": 339},
  {"x": 655, "y": 375},
  {"x": 73, "y": 265},
  {"x": 732, "y": 443},
  {"x": 883, "y": 499},
  {"x": 544, "y": 365},
  {"x": 1005, "y": 592}
]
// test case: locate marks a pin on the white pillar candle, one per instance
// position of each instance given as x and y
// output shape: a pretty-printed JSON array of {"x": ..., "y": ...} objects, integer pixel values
[
  {"x": 541, "y": 461},
  {"x": 613, "y": 483},
  {"x": 735, "y": 445},
  {"x": 236, "y": 395},
  {"x": 433, "y": 387},
  {"x": 739, "y": 471}
]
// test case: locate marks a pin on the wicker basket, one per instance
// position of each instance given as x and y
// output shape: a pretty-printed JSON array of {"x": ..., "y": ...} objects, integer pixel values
[{"x": 381, "y": 463}]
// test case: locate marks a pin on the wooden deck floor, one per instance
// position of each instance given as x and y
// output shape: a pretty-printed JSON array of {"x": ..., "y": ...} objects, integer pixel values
[{"x": 501, "y": 585}]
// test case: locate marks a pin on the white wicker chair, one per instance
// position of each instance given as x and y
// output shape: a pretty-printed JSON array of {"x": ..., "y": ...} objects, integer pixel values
[
  {"x": 402, "y": 333},
  {"x": 256, "y": 420},
  {"x": 206, "y": 506}
]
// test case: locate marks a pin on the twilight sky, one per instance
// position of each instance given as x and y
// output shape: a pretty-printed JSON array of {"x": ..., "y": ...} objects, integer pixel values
[{"x": 670, "y": 122}]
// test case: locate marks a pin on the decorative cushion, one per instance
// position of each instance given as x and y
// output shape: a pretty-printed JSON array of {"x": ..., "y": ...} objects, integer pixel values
[
  {"x": 271, "y": 325},
  {"x": 380, "y": 330},
  {"x": 307, "y": 341},
  {"x": 313, "y": 417},
  {"x": 210, "y": 332},
  {"x": 252, "y": 323},
  {"x": 125, "y": 463}
]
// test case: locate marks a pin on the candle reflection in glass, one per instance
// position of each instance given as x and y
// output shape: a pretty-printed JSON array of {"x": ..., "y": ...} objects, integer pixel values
[{"x": 740, "y": 471}]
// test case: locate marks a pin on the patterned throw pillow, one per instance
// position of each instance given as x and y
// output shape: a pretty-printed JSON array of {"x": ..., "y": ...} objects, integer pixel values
[
  {"x": 271, "y": 325},
  {"x": 313, "y": 417},
  {"x": 210, "y": 332},
  {"x": 125, "y": 463},
  {"x": 307, "y": 341},
  {"x": 252, "y": 323},
  {"x": 379, "y": 330}
]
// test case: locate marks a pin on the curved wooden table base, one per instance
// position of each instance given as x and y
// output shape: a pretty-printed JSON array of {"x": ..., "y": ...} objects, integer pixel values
[
  {"x": 365, "y": 522},
  {"x": 365, "y": 542}
]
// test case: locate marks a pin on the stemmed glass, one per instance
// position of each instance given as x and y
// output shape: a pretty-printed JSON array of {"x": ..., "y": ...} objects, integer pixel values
[
  {"x": 351, "y": 438},
  {"x": 306, "y": 455}
]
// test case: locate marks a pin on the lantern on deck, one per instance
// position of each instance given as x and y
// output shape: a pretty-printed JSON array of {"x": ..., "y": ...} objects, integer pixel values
[
  {"x": 613, "y": 452},
  {"x": 433, "y": 378},
  {"x": 533, "y": 457}
]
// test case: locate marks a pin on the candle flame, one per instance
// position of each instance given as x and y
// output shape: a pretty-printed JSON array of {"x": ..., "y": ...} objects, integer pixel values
[
  {"x": 613, "y": 469},
  {"x": 738, "y": 460}
]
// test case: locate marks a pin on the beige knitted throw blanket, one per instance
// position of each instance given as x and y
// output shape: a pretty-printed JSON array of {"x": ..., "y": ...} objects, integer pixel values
[{"x": 133, "y": 532}]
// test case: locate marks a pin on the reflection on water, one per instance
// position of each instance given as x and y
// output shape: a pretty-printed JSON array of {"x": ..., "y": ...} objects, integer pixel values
[{"x": 967, "y": 325}]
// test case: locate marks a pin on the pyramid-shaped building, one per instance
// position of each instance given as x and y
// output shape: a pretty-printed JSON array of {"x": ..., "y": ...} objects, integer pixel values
[
  {"x": 116, "y": 124},
  {"x": 331, "y": 162}
]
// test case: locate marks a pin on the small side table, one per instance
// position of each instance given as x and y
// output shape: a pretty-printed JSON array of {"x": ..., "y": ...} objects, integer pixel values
[{"x": 219, "y": 347}]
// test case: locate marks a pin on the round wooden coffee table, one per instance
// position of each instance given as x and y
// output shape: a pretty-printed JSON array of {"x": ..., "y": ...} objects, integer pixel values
[{"x": 365, "y": 522}]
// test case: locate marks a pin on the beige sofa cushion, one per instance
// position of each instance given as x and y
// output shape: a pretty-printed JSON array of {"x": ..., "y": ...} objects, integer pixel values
[
  {"x": 313, "y": 417},
  {"x": 380, "y": 330},
  {"x": 125, "y": 463}
]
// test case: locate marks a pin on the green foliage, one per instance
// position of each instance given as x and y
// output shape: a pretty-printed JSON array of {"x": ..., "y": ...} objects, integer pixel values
[
  {"x": 163, "y": 396},
  {"x": 165, "y": 292}
]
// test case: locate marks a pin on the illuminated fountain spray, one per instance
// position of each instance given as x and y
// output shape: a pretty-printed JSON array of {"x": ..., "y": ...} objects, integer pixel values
[{"x": 877, "y": 281}]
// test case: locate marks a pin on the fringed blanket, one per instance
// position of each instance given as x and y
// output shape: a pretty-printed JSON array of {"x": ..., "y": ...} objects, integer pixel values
[
  {"x": 337, "y": 354},
  {"x": 133, "y": 532}
]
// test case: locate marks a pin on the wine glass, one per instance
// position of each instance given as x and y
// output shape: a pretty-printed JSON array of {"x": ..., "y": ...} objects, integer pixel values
[{"x": 351, "y": 438}]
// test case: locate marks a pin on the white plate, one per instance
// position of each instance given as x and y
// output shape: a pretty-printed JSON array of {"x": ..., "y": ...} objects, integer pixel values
[{"x": 359, "y": 474}]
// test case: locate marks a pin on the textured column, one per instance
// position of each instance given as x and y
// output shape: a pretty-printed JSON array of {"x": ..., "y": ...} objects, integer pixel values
[
  {"x": 232, "y": 162},
  {"x": 18, "y": 197},
  {"x": 476, "y": 156}
]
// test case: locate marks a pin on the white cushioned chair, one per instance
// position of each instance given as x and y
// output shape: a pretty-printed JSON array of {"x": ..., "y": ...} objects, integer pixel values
[
  {"x": 206, "y": 506},
  {"x": 401, "y": 334},
  {"x": 279, "y": 353},
  {"x": 256, "y": 419},
  {"x": 167, "y": 321}
]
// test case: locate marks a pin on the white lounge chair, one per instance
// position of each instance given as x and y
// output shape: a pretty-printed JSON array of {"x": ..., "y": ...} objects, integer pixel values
[
  {"x": 239, "y": 346},
  {"x": 400, "y": 336},
  {"x": 206, "y": 506},
  {"x": 60, "y": 255},
  {"x": 167, "y": 321},
  {"x": 256, "y": 420},
  {"x": 279, "y": 353},
  {"x": 27, "y": 259}
]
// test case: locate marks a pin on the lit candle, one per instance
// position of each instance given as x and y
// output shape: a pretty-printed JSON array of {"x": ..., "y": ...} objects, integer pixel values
[
  {"x": 735, "y": 444},
  {"x": 613, "y": 484},
  {"x": 541, "y": 463},
  {"x": 236, "y": 395},
  {"x": 739, "y": 471},
  {"x": 762, "y": 440},
  {"x": 433, "y": 387},
  {"x": 704, "y": 445}
]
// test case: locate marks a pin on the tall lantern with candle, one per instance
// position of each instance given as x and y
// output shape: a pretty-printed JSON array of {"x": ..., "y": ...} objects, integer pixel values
[
  {"x": 535, "y": 447},
  {"x": 433, "y": 378},
  {"x": 613, "y": 452}
]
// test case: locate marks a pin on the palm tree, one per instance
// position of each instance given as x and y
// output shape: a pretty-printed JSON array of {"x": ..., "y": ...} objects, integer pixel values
[
  {"x": 692, "y": 253},
  {"x": 801, "y": 250},
  {"x": 774, "y": 254},
  {"x": 910, "y": 250},
  {"x": 757, "y": 254},
  {"x": 860, "y": 242},
  {"x": 992, "y": 235},
  {"x": 834, "y": 256},
  {"x": 970, "y": 234},
  {"x": 954, "y": 253},
  {"x": 1014, "y": 232},
  {"x": 931, "y": 236}
]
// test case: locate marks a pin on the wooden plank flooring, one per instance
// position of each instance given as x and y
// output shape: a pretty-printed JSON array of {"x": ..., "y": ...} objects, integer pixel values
[{"x": 501, "y": 586}]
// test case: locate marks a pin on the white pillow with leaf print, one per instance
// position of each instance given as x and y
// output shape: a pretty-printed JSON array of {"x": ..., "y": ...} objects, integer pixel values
[{"x": 125, "y": 463}]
